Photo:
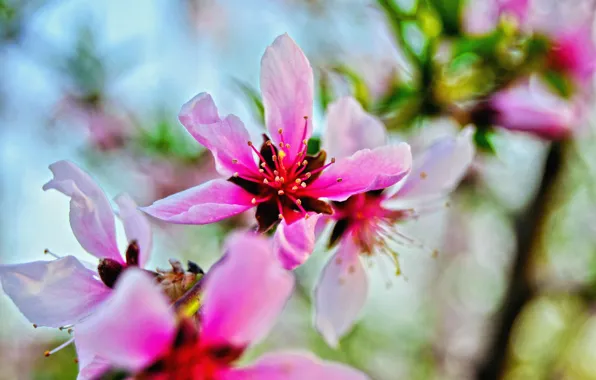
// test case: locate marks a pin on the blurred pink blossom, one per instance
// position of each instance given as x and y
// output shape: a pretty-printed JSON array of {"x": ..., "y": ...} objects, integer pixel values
[
  {"x": 366, "y": 223},
  {"x": 483, "y": 16},
  {"x": 529, "y": 106},
  {"x": 243, "y": 295}
]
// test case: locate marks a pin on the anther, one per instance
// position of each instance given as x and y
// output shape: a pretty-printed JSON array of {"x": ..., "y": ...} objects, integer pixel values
[
  {"x": 234, "y": 161},
  {"x": 298, "y": 202},
  {"x": 305, "y": 142},
  {"x": 268, "y": 142},
  {"x": 298, "y": 181},
  {"x": 423, "y": 175},
  {"x": 280, "y": 131},
  {"x": 306, "y": 216},
  {"x": 280, "y": 216},
  {"x": 249, "y": 143},
  {"x": 236, "y": 175},
  {"x": 76, "y": 360},
  {"x": 280, "y": 192},
  {"x": 275, "y": 172},
  {"x": 276, "y": 178},
  {"x": 274, "y": 158},
  {"x": 254, "y": 201},
  {"x": 307, "y": 175},
  {"x": 287, "y": 146},
  {"x": 294, "y": 188},
  {"x": 261, "y": 171},
  {"x": 281, "y": 145},
  {"x": 333, "y": 160},
  {"x": 34, "y": 326},
  {"x": 263, "y": 164},
  {"x": 304, "y": 162},
  {"x": 303, "y": 185},
  {"x": 265, "y": 181},
  {"x": 46, "y": 354},
  {"x": 339, "y": 180}
]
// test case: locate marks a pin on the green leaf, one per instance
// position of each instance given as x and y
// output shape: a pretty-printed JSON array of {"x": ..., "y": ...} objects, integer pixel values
[
  {"x": 359, "y": 87},
  {"x": 314, "y": 145},
  {"x": 483, "y": 139},
  {"x": 254, "y": 99},
  {"x": 559, "y": 82},
  {"x": 449, "y": 12},
  {"x": 325, "y": 92}
]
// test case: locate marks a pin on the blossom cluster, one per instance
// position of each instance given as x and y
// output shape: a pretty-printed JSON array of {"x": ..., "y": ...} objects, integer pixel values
[{"x": 351, "y": 194}]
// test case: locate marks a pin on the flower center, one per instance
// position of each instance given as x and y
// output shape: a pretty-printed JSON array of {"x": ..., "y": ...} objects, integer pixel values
[{"x": 281, "y": 185}]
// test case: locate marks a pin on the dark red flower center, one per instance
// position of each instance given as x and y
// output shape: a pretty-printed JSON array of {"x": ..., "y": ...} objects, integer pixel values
[{"x": 281, "y": 188}]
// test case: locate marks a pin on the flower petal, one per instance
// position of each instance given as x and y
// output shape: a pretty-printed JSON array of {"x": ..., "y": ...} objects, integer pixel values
[
  {"x": 294, "y": 243},
  {"x": 293, "y": 366},
  {"x": 244, "y": 292},
  {"x": 350, "y": 129},
  {"x": 441, "y": 167},
  {"x": 91, "y": 367},
  {"x": 287, "y": 88},
  {"x": 133, "y": 328},
  {"x": 363, "y": 171},
  {"x": 136, "y": 226},
  {"x": 207, "y": 203},
  {"x": 340, "y": 293},
  {"x": 227, "y": 139},
  {"x": 91, "y": 215},
  {"x": 532, "y": 107},
  {"x": 53, "y": 293}
]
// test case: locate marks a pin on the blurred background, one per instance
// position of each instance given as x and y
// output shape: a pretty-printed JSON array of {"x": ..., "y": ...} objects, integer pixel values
[{"x": 512, "y": 292}]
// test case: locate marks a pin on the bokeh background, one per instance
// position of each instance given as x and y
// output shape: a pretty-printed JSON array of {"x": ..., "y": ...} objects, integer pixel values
[{"x": 100, "y": 83}]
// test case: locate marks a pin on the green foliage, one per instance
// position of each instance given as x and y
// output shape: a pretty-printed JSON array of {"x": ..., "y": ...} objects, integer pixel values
[
  {"x": 359, "y": 87},
  {"x": 254, "y": 100},
  {"x": 167, "y": 140},
  {"x": 449, "y": 12},
  {"x": 483, "y": 138},
  {"x": 314, "y": 145}
]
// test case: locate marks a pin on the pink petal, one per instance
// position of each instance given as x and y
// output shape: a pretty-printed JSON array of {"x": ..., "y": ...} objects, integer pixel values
[
  {"x": 294, "y": 243},
  {"x": 244, "y": 292},
  {"x": 287, "y": 88},
  {"x": 91, "y": 367},
  {"x": 365, "y": 170},
  {"x": 136, "y": 226},
  {"x": 293, "y": 366},
  {"x": 532, "y": 107},
  {"x": 350, "y": 129},
  {"x": 91, "y": 216},
  {"x": 574, "y": 51},
  {"x": 340, "y": 293},
  {"x": 53, "y": 293},
  {"x": 441, "y": 168},
  {"x": 227, "y": 139},
  {"x": 207, "y": 203},
  {"x": 133, "y": 328}
]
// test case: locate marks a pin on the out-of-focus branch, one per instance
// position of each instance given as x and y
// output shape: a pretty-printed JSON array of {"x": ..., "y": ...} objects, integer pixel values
[{"x": 528, "y": 227}]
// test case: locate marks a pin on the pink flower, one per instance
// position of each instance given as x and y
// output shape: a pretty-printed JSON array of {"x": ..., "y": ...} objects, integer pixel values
[
  {"x": 530, "y": 106},
  {"x": 64, "y": 291},
  {"x": 366, "y": 223},
  {"x": 482, "y": 16},
  {"x": 279, "y": 179},
  {"x": 138, "y": 331},
  {"x": 573, "y": 53}
]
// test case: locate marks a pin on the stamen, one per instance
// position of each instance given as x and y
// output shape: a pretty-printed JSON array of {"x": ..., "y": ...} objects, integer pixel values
[
  {"x": 235, "y": 175},
  {"x": 322, "y": 167},
  {"x": 281, "y": 192},
  {"x": 48, "y": 252},
  {"x": 304, "y": 163},
  {"x": 265, "y": 181},
  {"x": 234, "y": 161},
  {"x": 275, "y": 172},
  {"x": 294, "y": 188},
  {"x": 303, "y": 185},
  {"x": 254, "y": 201},
  {"x": 298, "y": 181},
  {"x": 339, "y": 180},
  {"x": 63, "y": 345}
]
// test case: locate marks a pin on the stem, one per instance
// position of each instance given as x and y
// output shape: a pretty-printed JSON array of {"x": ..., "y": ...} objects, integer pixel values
[{"x": 528, "y": 231}]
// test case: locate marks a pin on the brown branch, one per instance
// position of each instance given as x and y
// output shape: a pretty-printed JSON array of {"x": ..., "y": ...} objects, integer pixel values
[{"x": 528, "y": 232}]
